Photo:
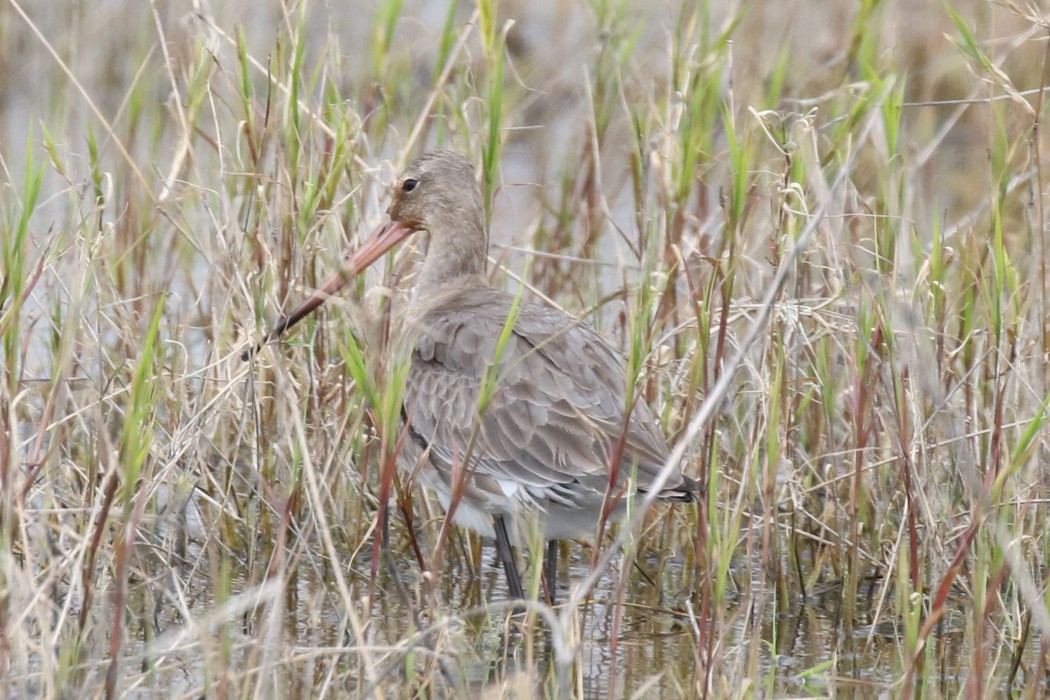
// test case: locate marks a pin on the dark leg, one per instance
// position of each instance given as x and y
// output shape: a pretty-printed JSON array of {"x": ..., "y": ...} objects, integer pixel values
[
  {"x": 550, "y": 570},
  {"x": 506, "y": 555}
]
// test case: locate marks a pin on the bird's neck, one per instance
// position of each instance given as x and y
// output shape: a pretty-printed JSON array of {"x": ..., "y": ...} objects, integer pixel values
[{"x": 457, "y": 260}]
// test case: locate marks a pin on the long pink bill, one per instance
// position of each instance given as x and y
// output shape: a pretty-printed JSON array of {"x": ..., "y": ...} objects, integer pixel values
[{"x": 382, "y": 239}]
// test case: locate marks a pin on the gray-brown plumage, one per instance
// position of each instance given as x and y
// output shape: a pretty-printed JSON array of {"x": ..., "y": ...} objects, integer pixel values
[{"x": 544, "y": 446}]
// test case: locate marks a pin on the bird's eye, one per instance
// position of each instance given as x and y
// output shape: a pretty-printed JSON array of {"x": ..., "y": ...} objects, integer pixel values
[{"x": 409, "y": 185}]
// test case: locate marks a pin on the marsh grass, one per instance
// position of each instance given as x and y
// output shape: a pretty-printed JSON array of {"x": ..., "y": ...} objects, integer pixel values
[{"x": 815, "y": 230}]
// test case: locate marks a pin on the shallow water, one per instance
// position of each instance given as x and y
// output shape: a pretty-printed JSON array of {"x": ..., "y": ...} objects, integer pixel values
[{"x": 790, "y": 648}]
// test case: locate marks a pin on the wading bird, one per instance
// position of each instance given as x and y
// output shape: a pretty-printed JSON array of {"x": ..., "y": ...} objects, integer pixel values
[{"x": 555, "y": 442}]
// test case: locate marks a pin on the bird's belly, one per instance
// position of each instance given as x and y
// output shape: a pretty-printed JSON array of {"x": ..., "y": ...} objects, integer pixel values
[{"x": 522, "y": 509}]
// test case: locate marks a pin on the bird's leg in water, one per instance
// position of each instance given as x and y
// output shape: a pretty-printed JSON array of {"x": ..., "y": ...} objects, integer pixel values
[
  {"x": 506, "y": 555},
  {"x": 550, "y": 570}
]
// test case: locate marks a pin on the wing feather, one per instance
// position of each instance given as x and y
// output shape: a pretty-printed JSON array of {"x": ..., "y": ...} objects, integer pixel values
[{"x": 557, "y": 410}]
